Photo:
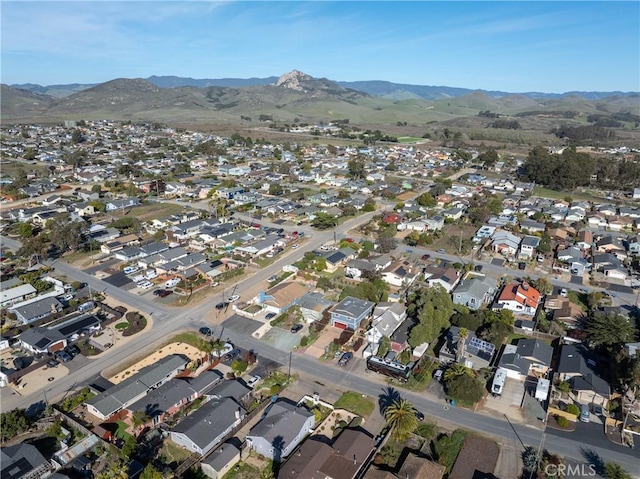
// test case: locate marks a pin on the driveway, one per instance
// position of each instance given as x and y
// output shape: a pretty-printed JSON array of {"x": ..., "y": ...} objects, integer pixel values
[{"x": 508, "y": 402}]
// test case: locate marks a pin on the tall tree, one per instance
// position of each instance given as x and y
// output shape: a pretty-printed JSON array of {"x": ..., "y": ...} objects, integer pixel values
[
  {"x": 457, "y": 370},
  {"x": 609, "y": 329},
  {"x": 463, "y": 334},
  {"x": 401, "y": 418}
]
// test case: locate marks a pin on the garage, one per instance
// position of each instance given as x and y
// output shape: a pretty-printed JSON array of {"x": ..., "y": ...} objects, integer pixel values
[{"x": 340, "y": 325}]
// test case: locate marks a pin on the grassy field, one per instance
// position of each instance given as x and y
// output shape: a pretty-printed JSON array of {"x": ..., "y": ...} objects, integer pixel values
[
  {"x": 171, "y": 452},
  {"x": 355, "y": 403},
  {"x": 409, "y": 139},
  {"x": 559, "y": 195},
  {"x": 153, "y": 211},
  {"x": 192, "y": 339}
]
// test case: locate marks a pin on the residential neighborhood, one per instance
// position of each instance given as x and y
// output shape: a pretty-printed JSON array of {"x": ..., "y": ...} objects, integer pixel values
[{"x": 201, "y": 306}]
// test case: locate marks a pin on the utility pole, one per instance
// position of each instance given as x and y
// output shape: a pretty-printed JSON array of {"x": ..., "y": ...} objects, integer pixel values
[{"x": 289, "y": 373}]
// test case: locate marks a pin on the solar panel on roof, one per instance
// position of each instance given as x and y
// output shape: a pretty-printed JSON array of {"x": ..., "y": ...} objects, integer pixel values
[{"x": 481, "y": 345}]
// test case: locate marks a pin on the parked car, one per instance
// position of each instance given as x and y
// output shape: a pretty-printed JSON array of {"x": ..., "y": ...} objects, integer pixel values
[
  {"x": 419, "y": 415},
  {"x": 270, "y": 316},
  {"x": 253, "y": 380},
  {"x": 584, "y": 413},
  {"x": 437, "y": 375},
  {"x": 294, "y": 245},
  {"x": 165, "y": 293},
  {"x": 296, "y": 327},
  {"x": 206, "y": 331},
  {"x": 221, "y": 305},
  {"x": 227, "y": 348},
  {"x": 563, "y": 292},
  {"x": 63, "y": 356},
  {"x": 145, "y": 284},
  {"x": 233, "y": 298},
  {"x": 273, "y": 278},
  {"x": 72, "y": 350},
  {"x": 157, "y": 292},
  {"x": 68, "y": 297},
  {"x": 52, "y": 363},
  {"x": 441, "y": 251},
  {"x": 478, "y": 268},
  {"x": 131, "y": 269},
  {"x": 426, "y": 256},
  {"x": 345, "y": 358},
  {"x": 231, "y": 355}
]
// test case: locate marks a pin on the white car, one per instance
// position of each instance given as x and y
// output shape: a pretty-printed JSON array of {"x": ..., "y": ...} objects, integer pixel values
[
  {"x": 68, "y": 297},
  {"x": 295, "y": 245},
  {"x": 233, "y": 298},
  {"x": 227, "y": 348},
  {"x": 145, "y": 284},
  {"x": 253, "y": 380},
  {"x": 171, "y": 283},
  {"x": 563, "y": 293},
  {"x": 131, "y": 269}
]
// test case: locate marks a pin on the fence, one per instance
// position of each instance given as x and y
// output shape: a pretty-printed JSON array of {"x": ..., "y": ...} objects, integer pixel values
[{"x": 536, "y": 334}]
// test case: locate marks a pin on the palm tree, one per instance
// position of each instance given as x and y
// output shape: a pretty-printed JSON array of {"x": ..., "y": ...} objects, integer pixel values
[
  {"x": 456, "y": 370},
  {"x": 140, "y": 418},
  {"x": 463, "y": 333},
  {"x": 401, "y": 417},
  {"x": 543, "y": 285}
]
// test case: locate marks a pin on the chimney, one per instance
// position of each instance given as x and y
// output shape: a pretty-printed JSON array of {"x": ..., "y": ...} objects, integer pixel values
[{"x": 354, "y": 460}]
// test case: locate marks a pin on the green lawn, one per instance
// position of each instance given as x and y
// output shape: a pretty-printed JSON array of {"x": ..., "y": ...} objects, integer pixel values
[
  {"x": 193, "y": 339},
  {"x": 559, "y": 195},
  {"x": 242, "y": 470},
  {"x": 355, "y": 403},
  {"x": 171, "y": 452},
  {"x": 409, "y": 139}
]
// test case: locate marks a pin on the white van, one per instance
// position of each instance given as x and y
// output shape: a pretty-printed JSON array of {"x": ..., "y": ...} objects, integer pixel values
[{"x": 584, "y": 412}]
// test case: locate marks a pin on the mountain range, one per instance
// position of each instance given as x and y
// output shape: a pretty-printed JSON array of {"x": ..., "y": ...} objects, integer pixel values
[
  {"x": 294, "y": 96},
  {"x": 376, "y": 88}
]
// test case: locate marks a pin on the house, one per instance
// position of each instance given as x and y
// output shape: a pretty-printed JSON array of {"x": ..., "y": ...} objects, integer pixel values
[
  {"x": 399, "y": 274},
  {"x": 170, "y": 397},
  {"x": 400, "y": 337},
  {"x": 584, "y": 241},
  {"x": 281, "y": 297},
  {"x": 387, "y": 317},
  {"x": 528, "y": 247},
  {"x": 281, "y": 429},
  {"x": 335, "y": 259},
  {"x": 477, "y": 353},
  {"x": 445, "y": 277},
  {"x": 220, "y": 461},
  {"x": 576, "y": 367},
  {"x": 135, "y": 387},
  {"x": 24, "y": 461},
  {"x": 528, "y": 358},
  {"x": 505, "y": 243},
  {"x": 474, "y": 291},
  {"x": 312, "y": 305},
  {"x": 17, "y": 294},
  {"x": 342, "y": 458},
  {"x": 350, "y": 312},
  {"x": 414, "y": 466},
  {"x": 115, "y": 205},
  {"x": 41, "y": 340},
  {"x": 521, "y": 298},
  {"x": 39, "y": 309},
  {"x": 205, "y": 428}
]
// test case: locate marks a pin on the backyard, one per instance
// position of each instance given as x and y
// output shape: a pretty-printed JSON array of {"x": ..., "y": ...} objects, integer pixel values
[{"x": 356, "y": 403}]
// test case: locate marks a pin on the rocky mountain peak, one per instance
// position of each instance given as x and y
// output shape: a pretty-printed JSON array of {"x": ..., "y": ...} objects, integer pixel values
[{"x": 294, "y": 80}]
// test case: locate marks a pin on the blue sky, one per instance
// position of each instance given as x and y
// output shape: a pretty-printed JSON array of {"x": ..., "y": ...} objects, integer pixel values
[{"x": 509, "y": 46}]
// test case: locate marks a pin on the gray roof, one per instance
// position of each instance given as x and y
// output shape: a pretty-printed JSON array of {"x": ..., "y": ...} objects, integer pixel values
[
  {"x": 37, "y": 308},
  {"x": 202, "y": 426},
  {"x": 513, "y": 361},
  {"x": 121, "y": 395},
  {"x": 41, "y": 338},
  {"x": 233, "y": 389},
  {"x": 283, "y": 420},
  {"x": 572, "y": 360},
  {"x": 159, "y": 400},
  {"x": 352, "y": 307},
  {"x": 21, "y": 460},
  {"x": 535, "y": 348},
  {"x": 221, "y": 456},
  {"x": 475, "y": 286},
  {"x": 314, "y": 301}
]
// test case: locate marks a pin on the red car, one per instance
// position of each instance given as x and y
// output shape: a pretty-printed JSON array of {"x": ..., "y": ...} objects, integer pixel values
[
  {"x": 165, "y": 293},
  {"x": 426, "y": 257}
]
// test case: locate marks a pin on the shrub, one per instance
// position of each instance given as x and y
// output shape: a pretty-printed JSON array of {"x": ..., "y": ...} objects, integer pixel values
[
  {"x": 562, "y": 421},
  {"x": 304, "y": 341},
  {"x": 573, "y": 409},
  {"x": 275, "y": 389}
]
